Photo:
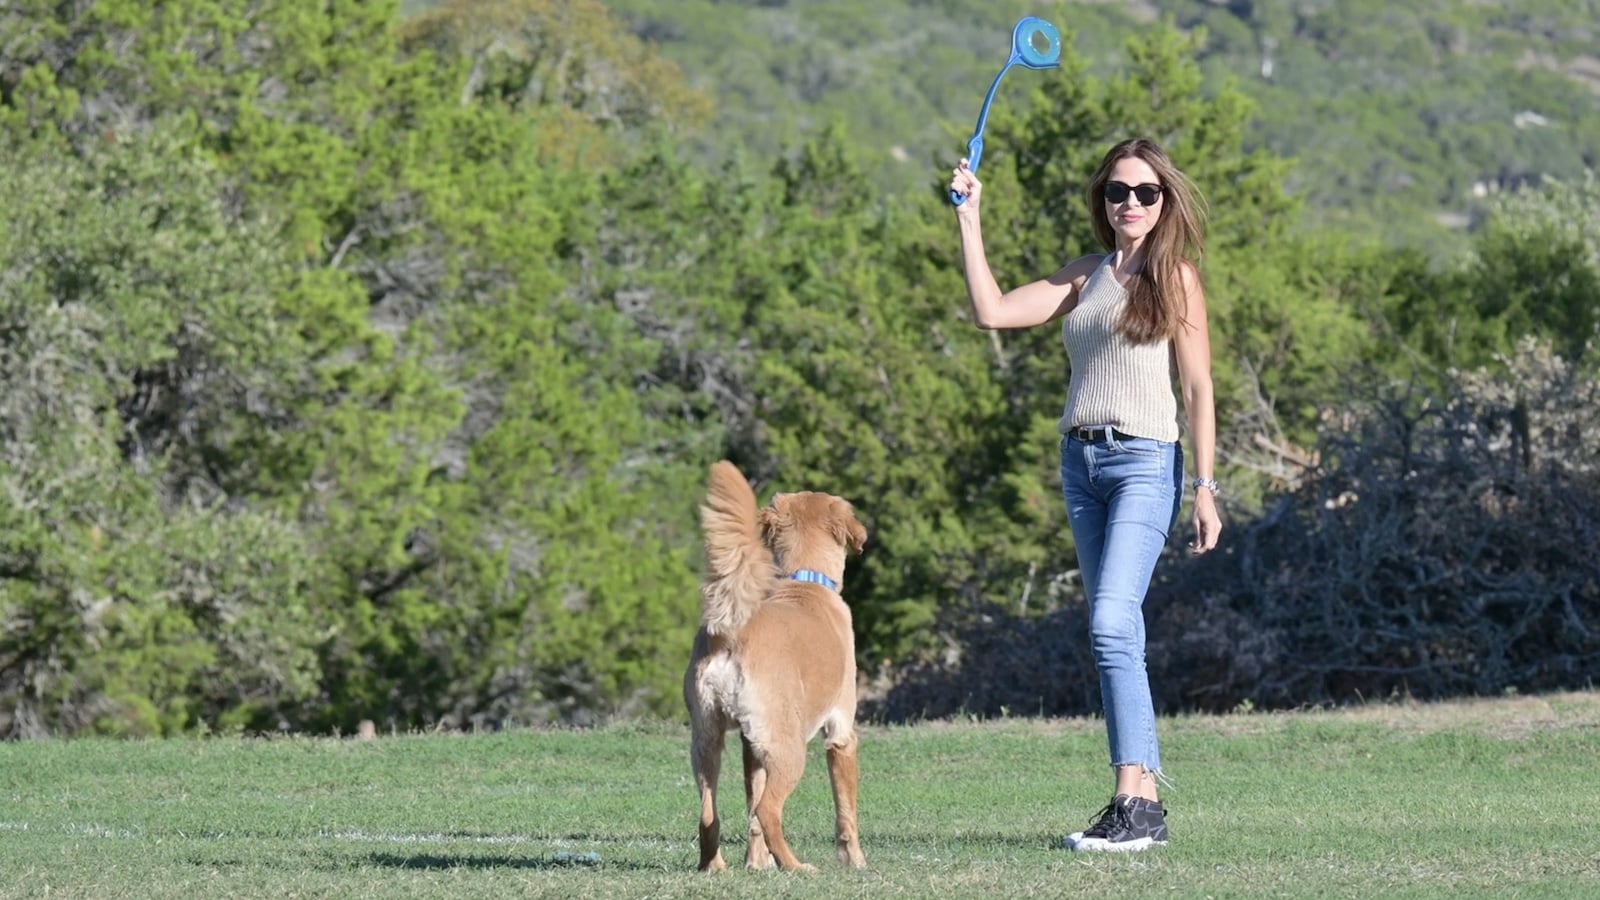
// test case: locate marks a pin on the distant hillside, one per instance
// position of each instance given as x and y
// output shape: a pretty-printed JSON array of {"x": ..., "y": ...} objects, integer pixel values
[
  {"x": 906, "y": 76},
  {"x": 1408, "y": 114},
  {"x": 1402, "y": 117}
]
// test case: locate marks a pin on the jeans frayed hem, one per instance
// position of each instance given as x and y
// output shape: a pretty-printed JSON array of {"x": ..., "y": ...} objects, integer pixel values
[{"x": 1159, "y": 775}]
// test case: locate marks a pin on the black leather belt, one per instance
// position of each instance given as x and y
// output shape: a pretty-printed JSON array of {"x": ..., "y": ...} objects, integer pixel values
[{"x": 1099, "y": 433}]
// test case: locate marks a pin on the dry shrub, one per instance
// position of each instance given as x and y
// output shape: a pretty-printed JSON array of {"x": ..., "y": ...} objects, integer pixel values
[{"x": 1446, "y": 543}]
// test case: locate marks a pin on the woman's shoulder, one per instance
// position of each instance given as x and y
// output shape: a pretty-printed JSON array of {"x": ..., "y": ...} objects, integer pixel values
[
  {"x": 1085, "y": 265},
  {"x": 1189, "y": 274}
]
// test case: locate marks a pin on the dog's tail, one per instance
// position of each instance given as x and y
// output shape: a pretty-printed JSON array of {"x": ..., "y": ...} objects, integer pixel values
[{"x": 739, "y": 565}]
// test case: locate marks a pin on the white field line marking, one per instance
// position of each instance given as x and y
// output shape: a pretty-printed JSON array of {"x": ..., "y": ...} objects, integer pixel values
[
  {"x": 386, "y": 838},
  {"x": 102, "y": 831},
  {"x": 563, "y": 844}
]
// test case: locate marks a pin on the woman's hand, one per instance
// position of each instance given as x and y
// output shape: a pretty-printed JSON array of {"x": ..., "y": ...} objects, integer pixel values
[
  {"x": 1207, "y": 524},
  {"x": 964, "y": 181}
]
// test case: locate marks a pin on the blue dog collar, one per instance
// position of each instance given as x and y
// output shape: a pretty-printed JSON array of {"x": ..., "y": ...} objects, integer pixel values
[{"x": 812, "y": 577}]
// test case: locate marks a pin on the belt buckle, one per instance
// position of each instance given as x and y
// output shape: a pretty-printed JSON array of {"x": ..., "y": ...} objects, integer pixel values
[{"x": 1093, "y": 433}]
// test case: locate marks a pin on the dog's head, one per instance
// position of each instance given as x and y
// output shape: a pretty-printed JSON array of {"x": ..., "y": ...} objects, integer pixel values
[{"x": 812, "y": 530}]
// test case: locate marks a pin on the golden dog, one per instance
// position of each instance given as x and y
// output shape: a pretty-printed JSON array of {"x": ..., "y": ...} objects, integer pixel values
[{"x": 775, "y": 659}]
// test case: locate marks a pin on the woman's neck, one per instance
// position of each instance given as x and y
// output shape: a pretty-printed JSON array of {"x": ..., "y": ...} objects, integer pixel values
[{"x": 1129, "y": 255}]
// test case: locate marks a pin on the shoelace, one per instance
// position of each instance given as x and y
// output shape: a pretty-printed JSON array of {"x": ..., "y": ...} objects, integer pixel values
[{"x": 1108, "y": 821}]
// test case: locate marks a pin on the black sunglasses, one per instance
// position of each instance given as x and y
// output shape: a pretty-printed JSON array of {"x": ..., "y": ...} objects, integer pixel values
[{"x": 1117, "y": 192}]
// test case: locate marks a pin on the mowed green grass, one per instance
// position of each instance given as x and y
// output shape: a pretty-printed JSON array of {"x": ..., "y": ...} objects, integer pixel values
[{"x": 1486, "y": 798}]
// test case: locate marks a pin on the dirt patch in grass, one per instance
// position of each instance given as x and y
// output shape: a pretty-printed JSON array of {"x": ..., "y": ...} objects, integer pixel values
[{"x": 1511, "y": 718}]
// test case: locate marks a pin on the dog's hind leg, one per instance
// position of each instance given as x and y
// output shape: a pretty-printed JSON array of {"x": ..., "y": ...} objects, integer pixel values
[
  {"x": 755, "y": 784},
  {"x": 842, "y": 772},
  {"x": 705, "y": 755},
  {"x": 784, "y": 763}
]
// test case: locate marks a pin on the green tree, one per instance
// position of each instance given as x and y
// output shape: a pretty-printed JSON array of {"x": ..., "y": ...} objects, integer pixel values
[
  {"x": 1533, "y": 270},
  {"x": 139, "y": 344},
  {"x": 421, "y": 324},
  {"x": 566, "y": 63}
]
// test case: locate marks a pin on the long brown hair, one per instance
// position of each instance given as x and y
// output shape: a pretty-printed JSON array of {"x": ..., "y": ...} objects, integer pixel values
[{"x": 1155, "y": 293}]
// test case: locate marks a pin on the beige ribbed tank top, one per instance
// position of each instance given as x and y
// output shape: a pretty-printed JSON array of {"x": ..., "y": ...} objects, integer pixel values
[{"x": 1114, "y": 381}]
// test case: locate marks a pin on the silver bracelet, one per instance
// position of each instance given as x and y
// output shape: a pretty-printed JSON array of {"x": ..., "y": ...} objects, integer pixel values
[{"x": 1209, "y": 484}]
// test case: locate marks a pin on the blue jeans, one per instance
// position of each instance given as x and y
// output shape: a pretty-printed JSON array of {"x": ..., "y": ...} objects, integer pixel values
[{"x": 1122, "y": 501}]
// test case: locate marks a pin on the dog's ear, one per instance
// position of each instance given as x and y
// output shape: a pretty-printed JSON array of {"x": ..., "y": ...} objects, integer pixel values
[
  {"x": 767, "y": 518},
  {"x": 846, "y": 529}
]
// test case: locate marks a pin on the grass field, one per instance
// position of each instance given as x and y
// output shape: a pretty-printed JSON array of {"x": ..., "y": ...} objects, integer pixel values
[{"x": 1486, "y": 798}]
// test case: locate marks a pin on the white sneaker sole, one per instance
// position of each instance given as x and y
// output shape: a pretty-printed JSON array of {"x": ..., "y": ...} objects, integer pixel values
[{"x": 1079, "y": 844}]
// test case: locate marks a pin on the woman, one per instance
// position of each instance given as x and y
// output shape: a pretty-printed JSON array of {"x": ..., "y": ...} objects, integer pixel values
[{"x": 1131, "y": 316}]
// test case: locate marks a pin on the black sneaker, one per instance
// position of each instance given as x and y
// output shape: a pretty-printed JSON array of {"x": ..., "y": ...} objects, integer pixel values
[{"x": 1126, "y": 824}]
